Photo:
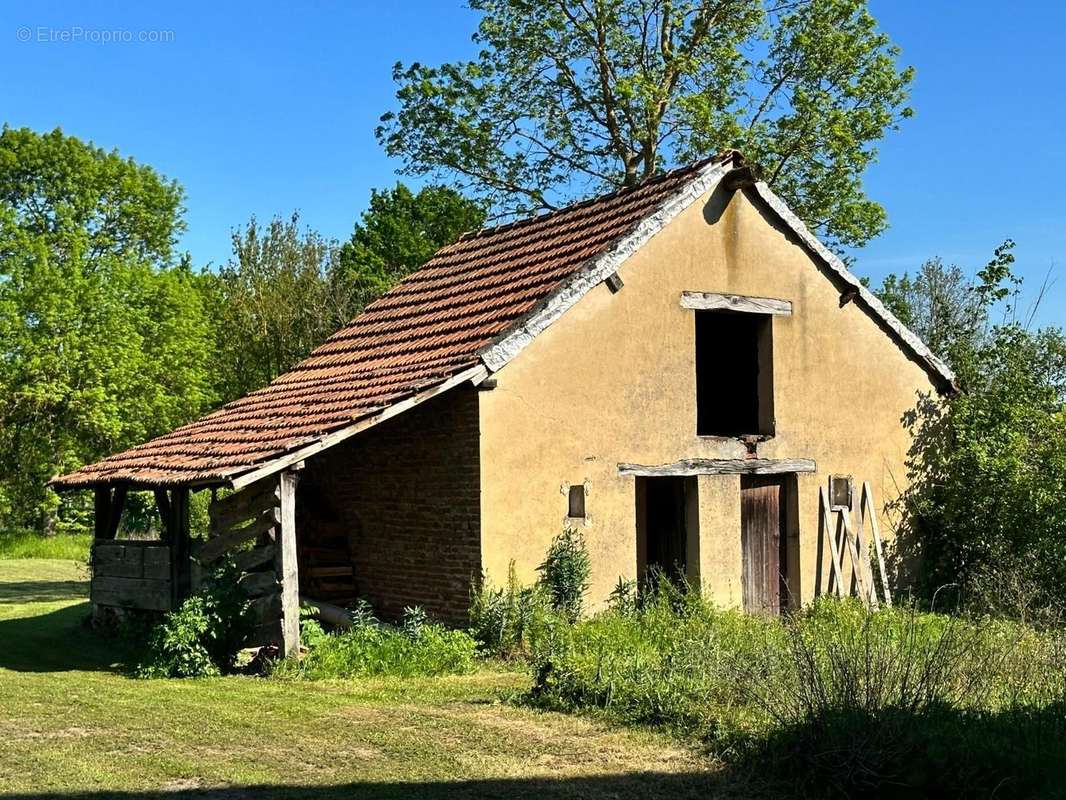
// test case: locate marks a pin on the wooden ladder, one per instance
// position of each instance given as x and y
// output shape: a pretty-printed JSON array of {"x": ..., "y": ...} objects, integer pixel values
[{"x": 855, "y": 536}]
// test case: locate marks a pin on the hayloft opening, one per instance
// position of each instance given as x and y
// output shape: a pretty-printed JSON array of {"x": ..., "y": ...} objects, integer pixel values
[{"x": 734, "y": 374}]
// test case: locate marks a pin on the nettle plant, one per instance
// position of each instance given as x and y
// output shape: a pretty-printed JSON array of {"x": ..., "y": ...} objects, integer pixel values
[{"x": 205, "y": 635}]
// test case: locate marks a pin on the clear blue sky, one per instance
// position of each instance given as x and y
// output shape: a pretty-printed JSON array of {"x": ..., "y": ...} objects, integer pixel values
[{"x": 269, "y": 107}]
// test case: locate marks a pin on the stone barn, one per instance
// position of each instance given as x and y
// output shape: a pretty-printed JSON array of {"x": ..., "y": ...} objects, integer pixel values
[{"x": 679, "y": 369}]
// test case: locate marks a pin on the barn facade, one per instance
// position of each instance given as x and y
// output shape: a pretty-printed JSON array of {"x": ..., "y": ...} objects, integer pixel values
[{"x": 679, "y": 369}]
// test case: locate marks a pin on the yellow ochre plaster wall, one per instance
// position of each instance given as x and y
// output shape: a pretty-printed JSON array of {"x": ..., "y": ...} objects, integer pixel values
[{"x": 613, "y": 381}]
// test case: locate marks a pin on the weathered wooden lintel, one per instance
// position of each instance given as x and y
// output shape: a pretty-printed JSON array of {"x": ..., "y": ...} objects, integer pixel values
[
  {"x": 711, "y": 301},
  {"x": 721, "y": 466}
]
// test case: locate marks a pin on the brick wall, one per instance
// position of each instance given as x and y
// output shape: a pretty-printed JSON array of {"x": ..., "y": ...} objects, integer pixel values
[{"x": 408, "y": 493}]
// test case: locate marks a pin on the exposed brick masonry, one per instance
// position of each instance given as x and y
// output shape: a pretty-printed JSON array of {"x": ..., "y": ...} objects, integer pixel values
[{"x": 408, "y": 492}]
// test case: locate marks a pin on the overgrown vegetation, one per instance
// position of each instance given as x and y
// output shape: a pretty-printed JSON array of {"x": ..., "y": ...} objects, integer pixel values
[
  {"x": 833, "y": 700},
  {"x": 565, "y": 573},
  {"x": 205, "y": 635},
  {"x": 417, "y": 648},
  {"x": 508, "y": 621},
  {"x": 987, "y": 470}
]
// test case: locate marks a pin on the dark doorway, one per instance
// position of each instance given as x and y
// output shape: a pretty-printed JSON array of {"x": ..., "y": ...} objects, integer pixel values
[
  {"x": 764, "y": 544},
  {"x": 667, "y": 529}
]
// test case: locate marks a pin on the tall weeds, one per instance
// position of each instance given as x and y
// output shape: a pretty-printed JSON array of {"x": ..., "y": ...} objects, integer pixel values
[{"x": 833, "y": 700}]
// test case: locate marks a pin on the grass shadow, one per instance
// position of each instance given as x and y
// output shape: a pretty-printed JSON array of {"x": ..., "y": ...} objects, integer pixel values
[
  {"x": 597, "y": 787},
  {"x": 59, "y": 641},
  {"x": 42, "y": 591},
  {"x": 941, "y": 752}
]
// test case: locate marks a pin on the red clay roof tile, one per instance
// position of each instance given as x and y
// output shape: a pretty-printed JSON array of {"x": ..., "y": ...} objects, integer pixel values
[{"x": 428, "y": 328}]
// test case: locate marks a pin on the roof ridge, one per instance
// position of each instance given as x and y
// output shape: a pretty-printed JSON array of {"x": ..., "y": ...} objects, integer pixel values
[{"x": 693, "y": 166}]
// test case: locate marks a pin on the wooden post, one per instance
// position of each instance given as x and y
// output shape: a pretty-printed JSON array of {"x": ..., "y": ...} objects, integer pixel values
[
  {"x": 286, "y": 567},
  {"x": 875, "y": 533},
  {"x": 857, "y": 568},
  {"x": 180, "y": 544},
  {"x": 162, "y": 504},
  {"x": 864, "y": 555},
  {"x": 102, "y": 513}
]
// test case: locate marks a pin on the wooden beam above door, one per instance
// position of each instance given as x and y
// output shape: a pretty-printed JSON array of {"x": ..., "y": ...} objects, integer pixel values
[{"x": 721, "y": 466}]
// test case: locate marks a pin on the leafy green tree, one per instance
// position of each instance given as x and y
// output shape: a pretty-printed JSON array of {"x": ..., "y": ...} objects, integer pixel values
[
  {"x": 950, "y": 310},
  {"x": 984, "y": 508},
  {"x": 277, "y": 298},
  {"x": 286, "y": 289},
  {"x": 569, "y": 97},
  {"x": 400, "y": 231},
  {"x": 103, "y": 341}
]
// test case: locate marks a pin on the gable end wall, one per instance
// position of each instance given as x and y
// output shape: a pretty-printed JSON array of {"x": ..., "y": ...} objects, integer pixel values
[{"x": 613, "y": 381}]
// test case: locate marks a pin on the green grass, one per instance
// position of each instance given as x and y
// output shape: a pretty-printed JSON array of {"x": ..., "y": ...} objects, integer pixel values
[
  {"x": 73, "y": 724},
  {"x": 27, "y": 544}
]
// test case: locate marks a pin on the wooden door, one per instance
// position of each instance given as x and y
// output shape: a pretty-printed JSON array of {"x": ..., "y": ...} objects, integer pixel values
[{"x": 762, "y": 538}]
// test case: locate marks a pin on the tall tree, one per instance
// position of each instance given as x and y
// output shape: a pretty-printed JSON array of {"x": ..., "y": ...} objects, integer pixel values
[
  {"x": 568, "y": 97},
  {"x": 983, "y": 503},
  {"x": 401, "y": 230},
  {"x": 286, "y": 289},
  {"x": 103, "y": 341},
  {"x": 278, "y": 297},
  {"x": 952, "y": 311}
]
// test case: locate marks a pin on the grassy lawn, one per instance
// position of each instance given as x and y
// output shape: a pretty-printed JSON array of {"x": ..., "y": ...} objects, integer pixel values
[
  {"x": 72, "y": 725},
  {"x": 27, "y": 544}
]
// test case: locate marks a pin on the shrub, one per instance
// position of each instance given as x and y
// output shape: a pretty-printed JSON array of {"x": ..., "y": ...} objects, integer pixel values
[
  {"x": 204, "y": 636},
  {"x": 565, "y": 573},
  {"x": 666, "y": 662},
  {"x": 370, "y": 648},
  {"x": 508, "y": 621}
]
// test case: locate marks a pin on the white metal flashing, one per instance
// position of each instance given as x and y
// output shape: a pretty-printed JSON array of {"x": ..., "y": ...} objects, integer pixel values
[
  {"x": 496, "y": 355},
  {"x": 795, "y": 224}
]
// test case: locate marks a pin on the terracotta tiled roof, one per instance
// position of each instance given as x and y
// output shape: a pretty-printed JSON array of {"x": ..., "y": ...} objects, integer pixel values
[{"x": 427, "y": 329}]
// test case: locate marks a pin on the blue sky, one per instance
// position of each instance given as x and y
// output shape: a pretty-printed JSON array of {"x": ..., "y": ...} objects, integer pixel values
[{"x": 267, "y": 108}]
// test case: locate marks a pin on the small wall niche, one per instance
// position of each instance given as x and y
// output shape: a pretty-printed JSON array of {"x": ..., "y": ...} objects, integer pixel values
[{"x": 575, "y": 498}]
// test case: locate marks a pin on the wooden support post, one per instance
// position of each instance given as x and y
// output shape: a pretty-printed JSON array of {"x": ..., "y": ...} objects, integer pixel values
[
  {"x": 864, "y": 554},
  {"x": 286, "y": 567},
  {"x": 108, "y": 511},
  {"x": 180, "y": 545},
  {"x": 118, "y": 502},
  {"x": 858, "y": 569},
  {"x": 827, "y": 529},
  {"x": 102, "y": 513},
  {"x": 162, "y": 504}
]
